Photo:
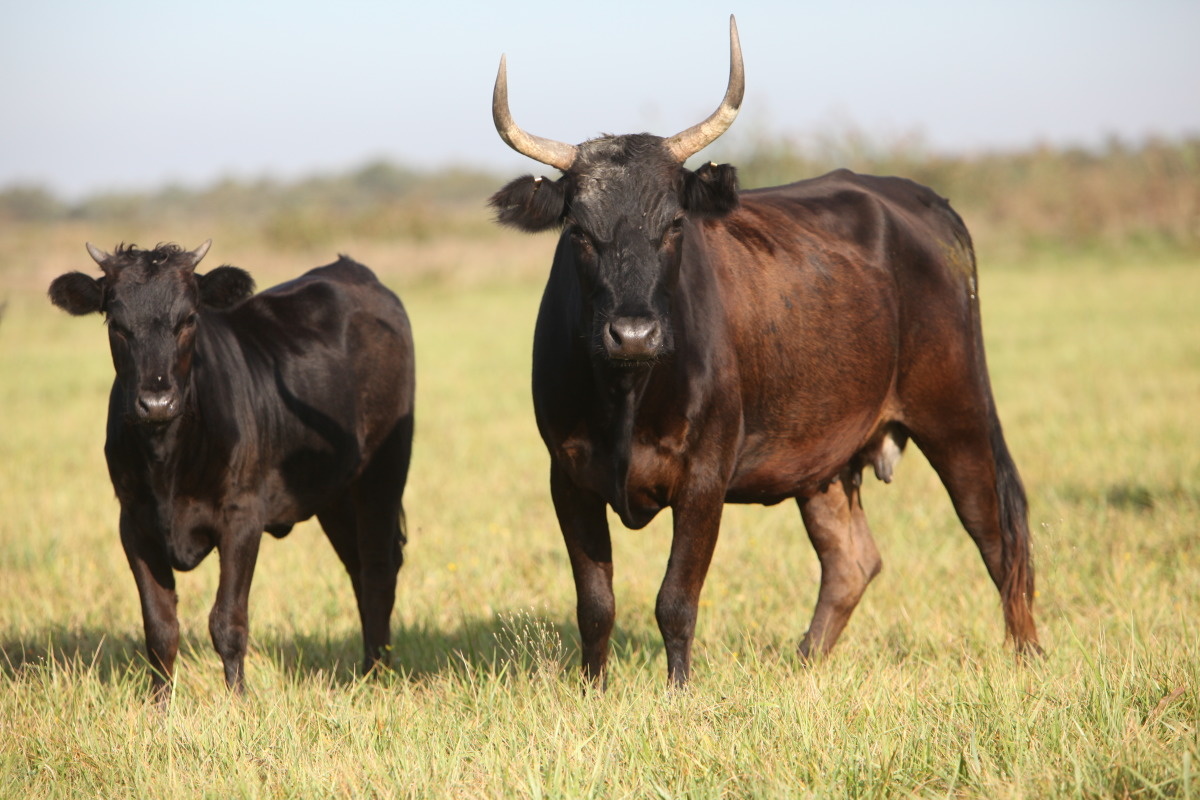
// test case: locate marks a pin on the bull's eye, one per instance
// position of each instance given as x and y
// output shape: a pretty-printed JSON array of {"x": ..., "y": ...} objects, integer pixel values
[
  {"x": 673, "y": 231},
  {"x": 119, "y": 330}
]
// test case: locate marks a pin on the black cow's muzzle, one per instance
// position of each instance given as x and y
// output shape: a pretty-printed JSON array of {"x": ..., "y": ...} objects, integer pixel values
[
  {"x": 157, "y": 406},
  {"x": 633, "y": 339}
]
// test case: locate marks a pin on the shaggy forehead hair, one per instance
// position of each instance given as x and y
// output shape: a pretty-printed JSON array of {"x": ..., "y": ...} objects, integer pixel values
[
  {"x": 152, "y": 261},
  {"x": 631, "y": 178}
]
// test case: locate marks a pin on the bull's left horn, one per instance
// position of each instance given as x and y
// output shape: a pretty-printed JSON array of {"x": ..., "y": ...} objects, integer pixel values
[
  {"x": 696, "y": 138},
  {"x": 557, "y": 154}
]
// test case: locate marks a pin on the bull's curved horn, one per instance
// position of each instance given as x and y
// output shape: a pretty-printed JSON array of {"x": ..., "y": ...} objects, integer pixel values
[
  {"x": 557, "y": 154},
  {"x": 687, "y": 143}
]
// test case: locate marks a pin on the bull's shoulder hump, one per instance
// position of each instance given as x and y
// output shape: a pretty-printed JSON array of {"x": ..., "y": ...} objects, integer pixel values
[
  {"x": 842, "y": 182},
  {"x": 841, "y": 195},
  {"x": 832, "y": 208}
]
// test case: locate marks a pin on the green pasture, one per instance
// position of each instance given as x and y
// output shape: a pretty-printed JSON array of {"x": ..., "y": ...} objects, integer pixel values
[{"x": 1096, "y": 368}]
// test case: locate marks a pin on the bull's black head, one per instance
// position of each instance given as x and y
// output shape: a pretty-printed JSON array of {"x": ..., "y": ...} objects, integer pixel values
[
  {"x": 152, "y": 300},
  {"x": 625, "y": 204}
]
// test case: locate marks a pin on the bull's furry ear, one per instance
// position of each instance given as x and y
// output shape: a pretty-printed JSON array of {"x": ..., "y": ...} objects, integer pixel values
[
  {"x": 531, "y": 204},
  {"x": 78, "y": 293},
  {"x": 225, "y": 287},
  {"x": 711, "y": 191}
]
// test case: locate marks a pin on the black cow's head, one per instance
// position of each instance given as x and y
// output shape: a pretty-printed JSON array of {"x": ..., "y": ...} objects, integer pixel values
[
  {"x": 152, "y": 300},
  {"x": 625, "y": 204}
]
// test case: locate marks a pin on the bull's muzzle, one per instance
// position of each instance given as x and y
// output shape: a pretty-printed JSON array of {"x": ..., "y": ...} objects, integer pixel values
[{"x": 633, "y": 339}]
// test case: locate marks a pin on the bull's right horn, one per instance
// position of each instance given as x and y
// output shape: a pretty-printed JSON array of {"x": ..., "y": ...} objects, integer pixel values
[{"x": 556, "y": 154}]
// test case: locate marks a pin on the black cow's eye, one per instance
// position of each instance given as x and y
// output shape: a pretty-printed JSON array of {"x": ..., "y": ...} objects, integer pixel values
[
  {"x": 582, "y": 241},
  {"x": 187, "y": 322},
  {"x": 119, "y": 330}
]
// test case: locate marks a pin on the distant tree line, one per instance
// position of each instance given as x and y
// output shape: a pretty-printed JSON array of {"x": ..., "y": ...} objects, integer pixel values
[
  {"x": 376, "y": 183},
  {"x": 1120, "y": 195}
]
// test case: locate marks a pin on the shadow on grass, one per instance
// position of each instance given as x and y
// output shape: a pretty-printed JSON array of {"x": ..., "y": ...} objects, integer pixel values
[
  {"x": 499, "y": 644},
  {"x": 1134, "y": 497},
  {"x": 110, "y": 656}
]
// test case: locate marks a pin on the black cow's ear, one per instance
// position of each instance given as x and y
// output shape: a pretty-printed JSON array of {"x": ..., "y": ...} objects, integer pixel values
[
  {"x": 711, "y": 191},
  {"x": 531, "y": 204},
  {"x": 78, "y": 293},
  {"x": 225, "y": 287}
]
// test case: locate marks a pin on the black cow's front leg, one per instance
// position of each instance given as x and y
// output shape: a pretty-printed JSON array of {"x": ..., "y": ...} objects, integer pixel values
[
  {"x": 697, "y": 521},
  {"x": 229, "y": 623},
  {"x": 155, "y": 580},
  {"x": 584, "y": 526}
]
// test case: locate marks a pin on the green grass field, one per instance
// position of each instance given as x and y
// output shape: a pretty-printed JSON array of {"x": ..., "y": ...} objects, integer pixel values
[{"x": 1096, "y": 368}]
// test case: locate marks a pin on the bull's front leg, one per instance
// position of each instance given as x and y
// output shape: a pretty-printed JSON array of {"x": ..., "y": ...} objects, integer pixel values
[
  {"x": 584, "y": 524},
  {"x": 229, "y": 620},
  {"x": 155, "y": 581},
  {"x": 697, "y": 520}
]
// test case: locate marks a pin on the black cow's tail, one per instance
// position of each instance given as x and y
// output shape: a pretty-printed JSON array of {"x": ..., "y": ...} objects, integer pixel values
[{"x": 401, "y": 537}]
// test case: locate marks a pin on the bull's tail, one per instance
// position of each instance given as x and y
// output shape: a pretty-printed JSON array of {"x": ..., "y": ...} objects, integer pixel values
[
  {"x": 976, "y": 468},
  {"x": 1017, "y": 588},
  {"x": 1017, "y": 582}
]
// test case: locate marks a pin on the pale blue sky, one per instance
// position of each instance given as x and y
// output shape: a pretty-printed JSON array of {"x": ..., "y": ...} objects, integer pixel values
[{"x": 120, "y": 94}]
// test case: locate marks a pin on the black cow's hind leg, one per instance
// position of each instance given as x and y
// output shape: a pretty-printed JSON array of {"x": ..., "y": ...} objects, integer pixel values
[
  {"x": 377, "y": 499},
  {"x": 339, "y": 523},
  {"x": 849, "y": 559},
  {"x": 584, "y": 524}
]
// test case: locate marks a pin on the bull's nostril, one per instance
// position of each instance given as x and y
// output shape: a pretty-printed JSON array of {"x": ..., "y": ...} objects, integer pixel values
[{"x": 614, "y": 334}]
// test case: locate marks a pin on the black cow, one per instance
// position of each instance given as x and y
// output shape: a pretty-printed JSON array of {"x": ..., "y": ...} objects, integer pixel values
[
  {"x": 232, "y": 414},
  {"x": 697, "y": 346}
]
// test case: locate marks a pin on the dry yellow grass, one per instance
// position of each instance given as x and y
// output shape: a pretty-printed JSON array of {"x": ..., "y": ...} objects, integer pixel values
[{"x": 1096, "y": 367}]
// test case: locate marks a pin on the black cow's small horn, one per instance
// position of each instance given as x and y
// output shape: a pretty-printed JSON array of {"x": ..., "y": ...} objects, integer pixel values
[
  {"x": 201, "y": 251},
  {"x": 98, "y": 255},
  {"x": 557, "y": 154},
  {"x": 691, "y": 141}
]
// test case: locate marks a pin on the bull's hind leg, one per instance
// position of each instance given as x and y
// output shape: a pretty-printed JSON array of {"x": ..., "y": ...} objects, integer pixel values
[
  {"x": 849, "y": 560},
  {"x": 973, "y": 462}
]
